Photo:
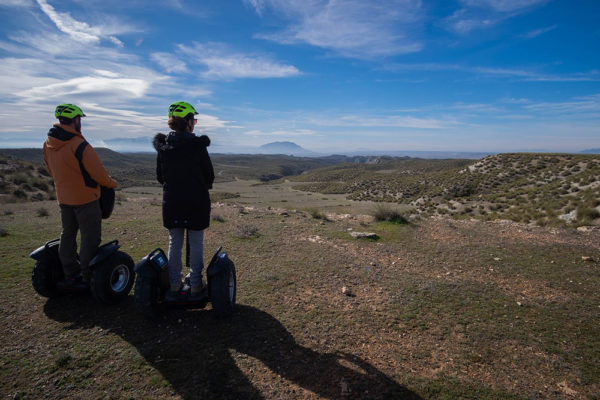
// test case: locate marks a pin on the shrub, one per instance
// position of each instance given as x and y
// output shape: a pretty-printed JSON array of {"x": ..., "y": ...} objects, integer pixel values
[
  {"x": 43, "y": 171},
  {"x": 37, "y": 197},
  {"x": 246, "y": 231},
  {"x": 20, "y": 194},
  {"x": 42, "y": 212},
  {"x": 384, "y": 212},
  {"x": 317, "y": 214},
  {"x": 218, "y": 218},
  {"x": 587, "y": 214},
  {"x": 43, "y": 186},
  {"x": 3, "y": 232}
]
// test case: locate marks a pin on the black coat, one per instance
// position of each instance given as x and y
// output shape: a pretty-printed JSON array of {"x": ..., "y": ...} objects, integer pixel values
[{"x": 184, "y": 169}]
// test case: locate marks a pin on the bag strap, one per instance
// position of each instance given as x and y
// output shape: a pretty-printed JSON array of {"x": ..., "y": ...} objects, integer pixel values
[{"x": 87, "y": 179}]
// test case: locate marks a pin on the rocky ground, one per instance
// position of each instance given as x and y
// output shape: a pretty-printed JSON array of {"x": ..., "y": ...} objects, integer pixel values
[{"x": 438, "y": 308}]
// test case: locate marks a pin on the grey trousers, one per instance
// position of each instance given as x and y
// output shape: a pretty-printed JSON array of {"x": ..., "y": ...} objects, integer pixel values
[
  {"x": 176, "y": 236},
  {"x": 87, "y": 218}
]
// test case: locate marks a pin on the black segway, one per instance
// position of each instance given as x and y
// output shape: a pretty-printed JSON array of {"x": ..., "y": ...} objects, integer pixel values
[
  {"x": 152, "y": 284},
  {"x": 112, "y": 273}
]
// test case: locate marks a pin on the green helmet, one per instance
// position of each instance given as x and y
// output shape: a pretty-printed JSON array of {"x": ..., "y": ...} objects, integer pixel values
[
  {"x": 68, "y": 111},
  {"x": 181, "y": 109}
]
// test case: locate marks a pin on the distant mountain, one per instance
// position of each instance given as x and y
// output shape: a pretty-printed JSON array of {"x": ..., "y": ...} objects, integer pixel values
[
  {"x": 289, "y": 148},
  {"x": 591, "y": 151}
]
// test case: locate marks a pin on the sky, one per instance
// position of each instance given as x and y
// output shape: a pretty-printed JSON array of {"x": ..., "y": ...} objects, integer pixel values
[{"x": 331, "y": 76}]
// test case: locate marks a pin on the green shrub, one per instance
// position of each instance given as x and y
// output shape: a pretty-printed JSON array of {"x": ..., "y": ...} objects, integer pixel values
[
  {"x": 42, "y": 212},
  {"x": 317, "y": 214},
  {"x": 587, "y": 214},
  {"x": 383, "y": 212},
  {"x": 3, "y": 232}
]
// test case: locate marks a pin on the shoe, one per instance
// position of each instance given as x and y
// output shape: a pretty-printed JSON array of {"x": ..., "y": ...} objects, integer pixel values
[
  {"x": 198, "y": 295},
  {"x": 175, "y": 297},
  {"x": 75, "y": 283}
]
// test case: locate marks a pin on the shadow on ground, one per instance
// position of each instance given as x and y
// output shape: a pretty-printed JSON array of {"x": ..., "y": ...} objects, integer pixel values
[{"x": 193, "y": 352}]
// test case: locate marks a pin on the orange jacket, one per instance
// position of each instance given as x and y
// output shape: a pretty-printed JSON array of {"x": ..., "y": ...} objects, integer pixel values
[{"x": 59, "y": 155}]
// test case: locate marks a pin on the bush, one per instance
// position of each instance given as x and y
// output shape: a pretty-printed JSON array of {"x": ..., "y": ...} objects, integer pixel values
[
  {"x": 317, "y": 214},
  {"x": 246, "y": 231},
  {"x": 43, "y": 186},
  {"x": 42, "y": 212},
  {"x": 3, "y": 232},
  {"x": 384, "y": 212},
  {"x": 20, "y": 194},
  {"x": 218, "y": 218},
  {"x": 587, "y": 214}
]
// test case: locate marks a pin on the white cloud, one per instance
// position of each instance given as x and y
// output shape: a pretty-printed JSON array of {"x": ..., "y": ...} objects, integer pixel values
[
  {"x": 386, "y": 122},
  {"x": 351, "y": 28},
  {"x": 16, "y": 3},
  {"x": 504, "y": 5},
  {"x": 522, "y": 74},
  {"x": 280, "y": 133},
  {"x": 222, "y": 63},
  {"x": 80, "y": 31},
  {"x": 169, "y": 62},
  {"x": 538, "y": 32},
  {"x": 479, "y": 14},
  {"x": 99, "y": 86}
]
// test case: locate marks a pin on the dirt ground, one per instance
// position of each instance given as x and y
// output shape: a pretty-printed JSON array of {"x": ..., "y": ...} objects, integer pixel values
[{"x": 435, "y": 309}]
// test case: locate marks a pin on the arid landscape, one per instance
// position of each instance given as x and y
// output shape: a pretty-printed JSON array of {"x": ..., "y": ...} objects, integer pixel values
[{"x": 487, "y": 300}]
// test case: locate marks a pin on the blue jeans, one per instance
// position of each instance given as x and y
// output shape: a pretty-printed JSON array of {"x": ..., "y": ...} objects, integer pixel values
[{"x": 176, "y": 236}]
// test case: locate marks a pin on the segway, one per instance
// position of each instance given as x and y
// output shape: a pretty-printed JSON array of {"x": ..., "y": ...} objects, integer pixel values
[
  {"x": 152, "y": 284},
  {"x": 112, "y": 273}
]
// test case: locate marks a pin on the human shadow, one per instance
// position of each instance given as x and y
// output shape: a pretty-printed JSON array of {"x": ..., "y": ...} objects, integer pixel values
[{"x": 193, "y": 352}]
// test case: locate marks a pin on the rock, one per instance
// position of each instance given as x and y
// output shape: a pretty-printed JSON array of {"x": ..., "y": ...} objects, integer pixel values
[
  {"x": 519, "y": 304},
  {"x": 587, "y": 258},
  {"x": 497, "y": 259},
  {"x": 346, "y": 290},
  {"x": 364, "y": 235}
]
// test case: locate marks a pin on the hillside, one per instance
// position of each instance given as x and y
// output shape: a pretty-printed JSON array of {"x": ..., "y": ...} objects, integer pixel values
[
  {"x": 21, "y": 168},
  {"x": 554, "y": 189}
]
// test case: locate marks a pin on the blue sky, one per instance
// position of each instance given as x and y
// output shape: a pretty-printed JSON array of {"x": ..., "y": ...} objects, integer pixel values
[{"x": 331, "y": 76}]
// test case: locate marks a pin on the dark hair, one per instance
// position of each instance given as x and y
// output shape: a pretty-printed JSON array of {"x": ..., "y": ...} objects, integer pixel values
[
  {"x": 65, "y": 120},
  {"x": 180, "y": 124}
]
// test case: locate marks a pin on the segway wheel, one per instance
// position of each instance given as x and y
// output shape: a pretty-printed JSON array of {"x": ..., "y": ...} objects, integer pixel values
[
  {"x": 44, "y": 277},
  {"x": 222, "y": 289},
  {"x": 113, "y": 278},
  {"x": 146, "y": 296}
]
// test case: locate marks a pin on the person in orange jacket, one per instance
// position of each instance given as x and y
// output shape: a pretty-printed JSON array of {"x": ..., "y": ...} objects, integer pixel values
[{"x": 78, "y": 173}]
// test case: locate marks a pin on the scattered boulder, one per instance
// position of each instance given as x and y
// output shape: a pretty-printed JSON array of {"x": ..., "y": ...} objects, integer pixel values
[
  {"x": 346, "y": 290},
  {"x": 364, "y": 235},
  {"x": 587, "y": 258}
]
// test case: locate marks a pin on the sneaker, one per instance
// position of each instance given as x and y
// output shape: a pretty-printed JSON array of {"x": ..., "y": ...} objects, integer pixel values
[
  {"x": 198, "y": 295},
  {"x": 75, "y": 283}
]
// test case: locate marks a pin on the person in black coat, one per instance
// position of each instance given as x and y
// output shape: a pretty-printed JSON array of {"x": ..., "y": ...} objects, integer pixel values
[{"x": 185, "y": 170}]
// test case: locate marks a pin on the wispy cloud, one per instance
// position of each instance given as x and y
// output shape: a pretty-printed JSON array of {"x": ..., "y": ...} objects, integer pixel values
[
  {"x": 169, "y": 62},
  {"x": 352, "y": 28},
  {"x": 578, "y": 105},
  {"x": 222, "y": 63},
  {"x": 479, "y": 14},
  {"x": 384, "y": 122},
  {"x": 82, "y": 31},
  {"x": 280, "y": 133},
  {"x": 521, "y": 74},
  {"x": 538, "y": 32}
]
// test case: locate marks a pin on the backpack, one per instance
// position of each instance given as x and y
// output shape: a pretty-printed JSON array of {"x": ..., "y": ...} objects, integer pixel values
[{"x": 107, "y": 195}]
